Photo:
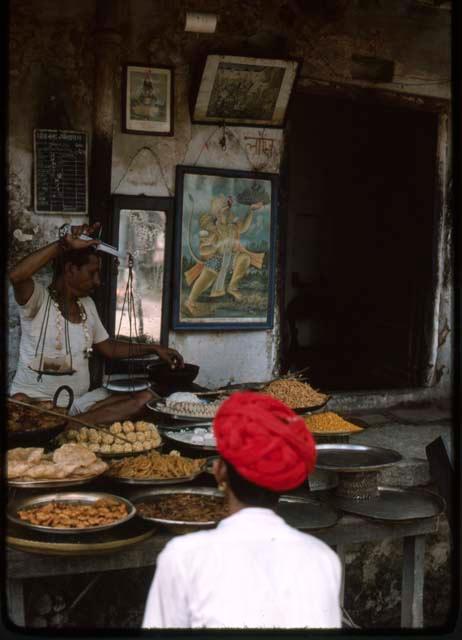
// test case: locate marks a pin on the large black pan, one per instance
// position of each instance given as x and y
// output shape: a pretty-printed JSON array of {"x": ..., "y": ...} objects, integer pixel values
[{"x": 40, "y": 435}]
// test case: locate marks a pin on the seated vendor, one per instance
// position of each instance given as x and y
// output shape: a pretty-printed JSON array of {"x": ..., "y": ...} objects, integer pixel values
[{"x": 73, "y": 330}]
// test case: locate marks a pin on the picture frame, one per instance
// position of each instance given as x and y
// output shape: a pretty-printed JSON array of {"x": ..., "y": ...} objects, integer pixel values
[
  {"x": 244, "y": 91},
  {"x": 224, "y": 253},
  {"x": 148, "y": 100},
  {"x": 143, "y": 225}
]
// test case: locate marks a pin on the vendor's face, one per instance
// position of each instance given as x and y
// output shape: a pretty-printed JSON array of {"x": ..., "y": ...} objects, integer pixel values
[{"x": 85, "y": 279}]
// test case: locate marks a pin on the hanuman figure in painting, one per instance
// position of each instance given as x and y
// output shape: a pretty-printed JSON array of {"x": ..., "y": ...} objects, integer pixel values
[{"x": 221, "y": 252}]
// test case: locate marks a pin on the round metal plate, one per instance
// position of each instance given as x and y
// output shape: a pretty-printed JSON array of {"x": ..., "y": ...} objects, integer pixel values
[
  {"x": 183, "y": 437},
  {"x": 74, "y": 497},
  {"x": 127, "y": 385},
  {"x": 334, "y": 434},
  {"x": 51, "y": 484},
  {"x": 306, "y": 513},
  {"x": 393, "y": 504},
  {"x": 151, "y": 496},
  {"x": 108, "y": 541},
  {"x": 157, "y": 481},
  {"x": 125, "y": 454},
  {"x": 354, "y": 457},
  {"x": 162, "y": 409}
]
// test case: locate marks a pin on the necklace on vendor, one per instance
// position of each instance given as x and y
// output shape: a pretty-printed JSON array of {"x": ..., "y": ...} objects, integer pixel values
[{"x": 59, "y": 325}]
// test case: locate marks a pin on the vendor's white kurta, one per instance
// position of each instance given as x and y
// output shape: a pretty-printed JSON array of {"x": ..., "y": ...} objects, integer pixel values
[
  {"x": 31, "y": 314},
  {"x": 253, "y": 571}
]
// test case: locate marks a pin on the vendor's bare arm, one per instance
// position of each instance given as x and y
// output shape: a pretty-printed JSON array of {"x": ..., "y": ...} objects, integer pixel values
[
  {"x": 122, "y": 349},
  {"x": 21, "y": 275}
]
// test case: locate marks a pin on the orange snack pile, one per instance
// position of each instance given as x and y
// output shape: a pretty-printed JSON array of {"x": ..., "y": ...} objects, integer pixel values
[{"x": 329, "y": 422}]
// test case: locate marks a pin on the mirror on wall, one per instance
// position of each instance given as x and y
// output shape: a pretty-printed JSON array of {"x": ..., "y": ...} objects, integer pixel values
[{"x": 142, "y": 226}]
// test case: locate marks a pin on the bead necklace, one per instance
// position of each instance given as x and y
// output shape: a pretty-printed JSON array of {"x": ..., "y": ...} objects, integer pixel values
[{"x": 59, "y": 323}]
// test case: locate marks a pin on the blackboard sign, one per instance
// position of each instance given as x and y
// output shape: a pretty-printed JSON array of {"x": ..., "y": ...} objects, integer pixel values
[{"x": 60, "y": 171}]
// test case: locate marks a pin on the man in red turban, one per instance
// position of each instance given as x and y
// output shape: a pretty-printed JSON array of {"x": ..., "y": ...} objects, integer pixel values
[{"x": 253, "y": 570}]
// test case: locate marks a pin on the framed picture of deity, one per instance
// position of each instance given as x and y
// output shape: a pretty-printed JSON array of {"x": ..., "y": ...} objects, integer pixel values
[
  {"x": 243, "y": 91},
  {"x": 147, "y": 100},
  {"x": 224, "y": 253}
]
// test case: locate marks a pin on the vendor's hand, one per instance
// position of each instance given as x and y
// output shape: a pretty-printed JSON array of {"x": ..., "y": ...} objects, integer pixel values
[
  {"x": 171, "y": 356},
  {"x": 74, "y": 242},
  {"x": 256, "y": 205}
]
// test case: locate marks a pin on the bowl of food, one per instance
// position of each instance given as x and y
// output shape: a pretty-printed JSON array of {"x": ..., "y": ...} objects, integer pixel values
[
  {"x": 161, "y": 373},
  {"x": 69, "y": 513},
  {"x": 182, "y": 509}
]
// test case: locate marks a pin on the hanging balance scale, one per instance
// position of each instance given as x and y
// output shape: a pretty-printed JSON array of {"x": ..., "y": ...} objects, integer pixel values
[
  {"x": 58, "y": 365},
  {"x": 134, "y": 382}
]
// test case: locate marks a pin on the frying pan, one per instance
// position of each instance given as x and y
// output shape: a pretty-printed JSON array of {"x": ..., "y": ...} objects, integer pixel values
[{"x": 41, "y": 435}]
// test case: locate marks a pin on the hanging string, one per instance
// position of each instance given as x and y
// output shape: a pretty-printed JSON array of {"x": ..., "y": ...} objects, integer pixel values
[
  {"x": 43, "y": 332},
  {"x": 161, "y": 170}
]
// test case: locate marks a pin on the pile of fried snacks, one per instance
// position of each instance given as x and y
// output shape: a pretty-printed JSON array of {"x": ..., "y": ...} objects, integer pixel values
[
  {"x": 294, "y": 393},
  {"x": 156, "y": 466},
  {"x": 329, "y": 422}
]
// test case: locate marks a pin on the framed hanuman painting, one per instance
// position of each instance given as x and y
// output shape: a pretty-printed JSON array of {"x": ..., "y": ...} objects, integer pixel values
[{"x": 224, "y": 262}]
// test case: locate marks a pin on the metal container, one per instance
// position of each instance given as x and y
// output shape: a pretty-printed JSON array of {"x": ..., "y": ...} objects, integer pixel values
[
  {"x": 52, "y": 484},
  {"x": 157, "y": 481},
  {"x": 393, "y": 504},
  {"x": 306, "y": 513},
  {"x": 353, "y": 458},
  {"x": 127, "y": 385},
  {"x": 174, "y": 525},
  {"x": 177, "y": 437},
  {"x": 74, "y": 497},
  {"x": 159, "y": 407}
]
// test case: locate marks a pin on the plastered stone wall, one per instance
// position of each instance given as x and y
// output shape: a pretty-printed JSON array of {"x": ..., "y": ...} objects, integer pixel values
[{"x": 52, "y": 55}]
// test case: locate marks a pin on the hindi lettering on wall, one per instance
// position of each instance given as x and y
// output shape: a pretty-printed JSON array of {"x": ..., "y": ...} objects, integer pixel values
[{"x": 60, "y": 171}]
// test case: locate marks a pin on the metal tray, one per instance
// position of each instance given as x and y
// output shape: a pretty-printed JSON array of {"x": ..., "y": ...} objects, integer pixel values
[
  {"x": 151, "y": 495},
  {"x": 306, "y": 513},
  {"x": 315, "y": 407},
  {"x": 88, "y": 498},
  {"x": 127, "y": 385},
  {"x": 161, "y": 408},
  {"x": 157, "y": 481},
  {"x": 393, "y": 504},
  {"x": 124, "y": 454},
  {"x": 354, "y": 457},
  {"x": 335, "y": 434},
  {"x": 174, "y": 436},
  {"x": 96, "y": 543},
  {"x": 52, "y": 484}
]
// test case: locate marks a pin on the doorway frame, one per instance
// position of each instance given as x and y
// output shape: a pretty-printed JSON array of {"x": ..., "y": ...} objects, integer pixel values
[{"x": 441, "y": 253}]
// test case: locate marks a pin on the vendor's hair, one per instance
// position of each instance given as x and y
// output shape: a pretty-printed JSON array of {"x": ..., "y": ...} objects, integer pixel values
[
  {"x": 78, "y": 257},
  {"x": 250, "y": 493}
]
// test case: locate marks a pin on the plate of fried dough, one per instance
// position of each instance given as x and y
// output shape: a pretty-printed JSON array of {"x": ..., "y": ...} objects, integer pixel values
[
  {"x": 70, "y": 512},
  {"x": 71, "y": 464},
  {"x": 117, "y": 440}
]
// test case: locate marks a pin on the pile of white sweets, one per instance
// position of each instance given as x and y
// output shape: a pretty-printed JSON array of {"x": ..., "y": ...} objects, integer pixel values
[
  {"x": 141, "y": 436},
  {"x": 198, "y": 435},
  {"x": 188, "y": 404}
]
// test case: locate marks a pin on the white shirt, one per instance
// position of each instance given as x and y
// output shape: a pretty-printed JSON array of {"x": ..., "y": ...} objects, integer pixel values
[
  {"x": 31, "y": 316},
  {"x": 252, "y": 571}
]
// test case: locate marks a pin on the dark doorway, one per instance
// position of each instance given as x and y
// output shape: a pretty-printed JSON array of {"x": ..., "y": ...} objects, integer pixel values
[{"x": 361, "y": 200}]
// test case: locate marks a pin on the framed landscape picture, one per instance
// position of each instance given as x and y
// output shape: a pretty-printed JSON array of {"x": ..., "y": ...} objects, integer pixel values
[
  {"x": 244, "y": 91},
  {"x": 224, "y": 262},
  {"x": 148, "y": 100}
]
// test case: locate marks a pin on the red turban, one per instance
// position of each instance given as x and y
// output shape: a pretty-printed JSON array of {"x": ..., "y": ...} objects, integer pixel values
[{"x": 265, "y": 441}]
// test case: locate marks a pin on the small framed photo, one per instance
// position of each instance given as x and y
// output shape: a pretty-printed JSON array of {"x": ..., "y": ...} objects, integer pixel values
[
  {"x": 249, "y": 92},
  {"x": 224, "y": 249},
  {"x": 147, "y": 100}
]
